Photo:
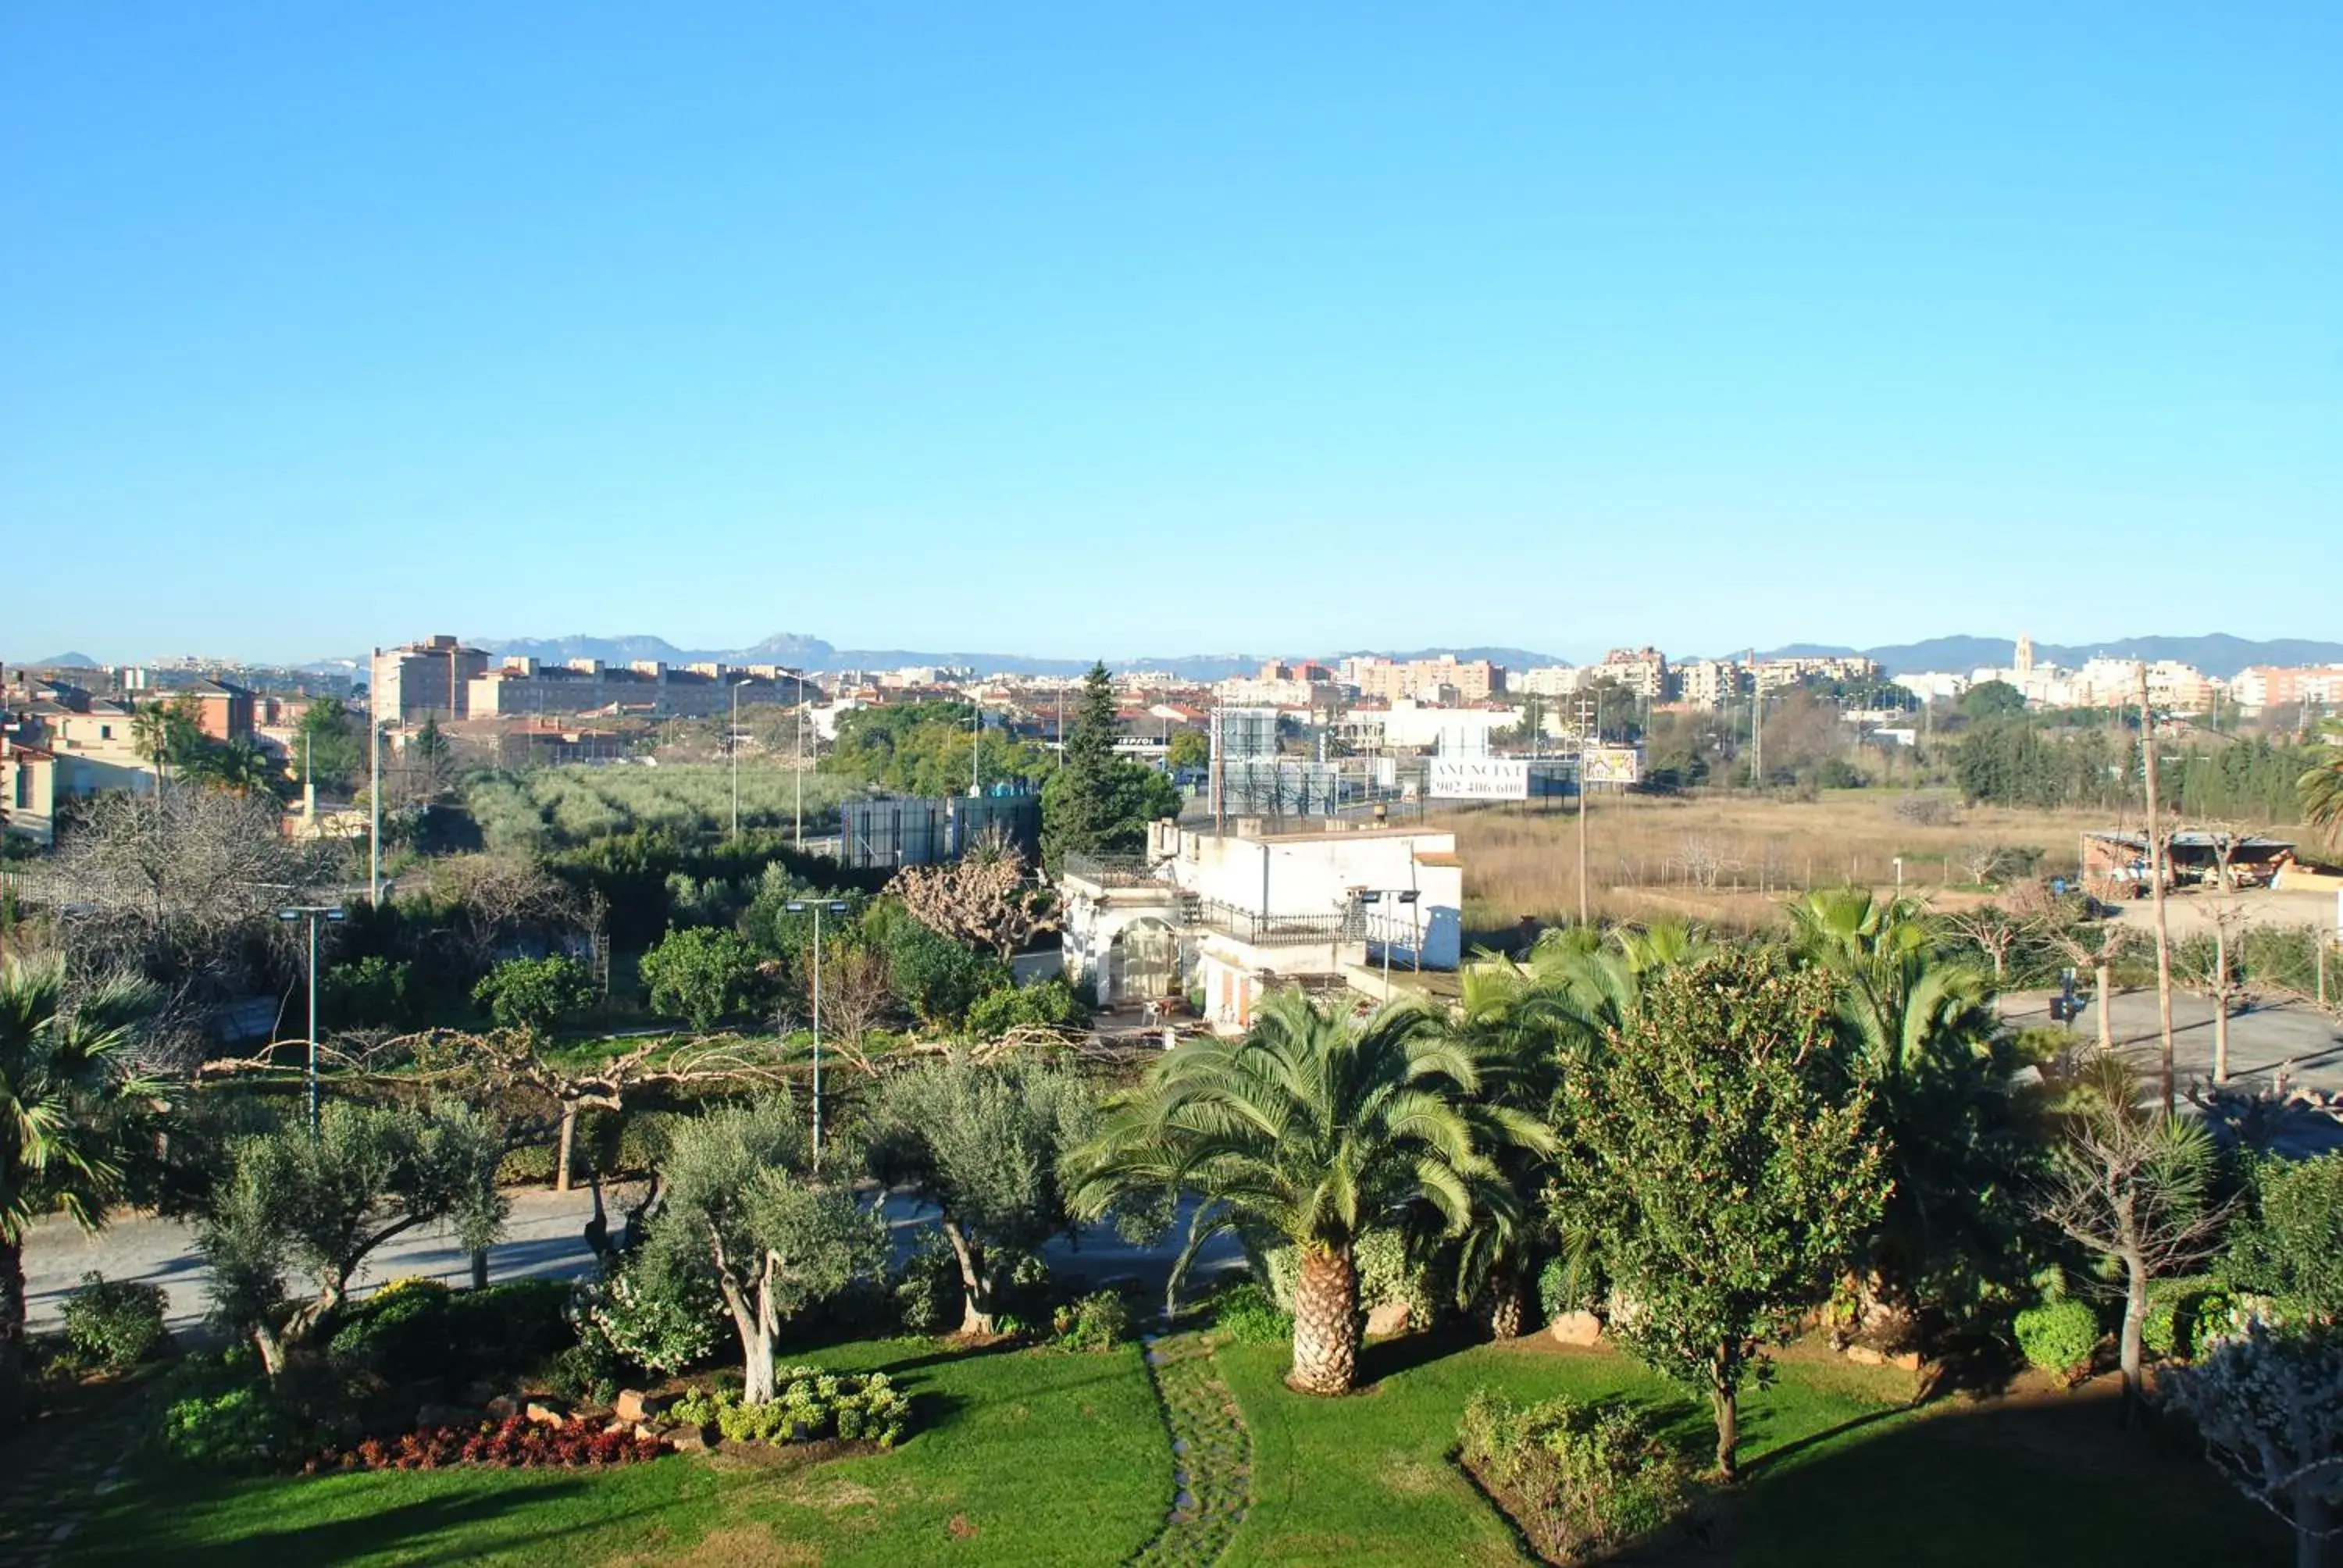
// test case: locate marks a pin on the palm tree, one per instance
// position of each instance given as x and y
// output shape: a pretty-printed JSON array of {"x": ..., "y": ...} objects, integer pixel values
[
  {"x": 71, "y": 1115},
  {"x": 1317, "y": 1129},
  {"x": 2320, "y": 788},
  {"x": 1925, "y": 1030}
]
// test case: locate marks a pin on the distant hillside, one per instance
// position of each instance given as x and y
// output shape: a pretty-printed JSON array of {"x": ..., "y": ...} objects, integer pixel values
[{"x": 63, "y": 661}]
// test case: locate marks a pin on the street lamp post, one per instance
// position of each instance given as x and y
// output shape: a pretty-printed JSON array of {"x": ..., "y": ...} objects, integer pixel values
[
  {"x": 312, "y": 913},
  {"x": 1400, "y": 895},
  {"x": 798, "y": 907},
  {"x": 732, "y": 745}
]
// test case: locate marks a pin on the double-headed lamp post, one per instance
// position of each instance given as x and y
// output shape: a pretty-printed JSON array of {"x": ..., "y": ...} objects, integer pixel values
[
  {"x": 1378, "y": 896},
  {"x": 798, "y": 907},
  {"x": 312, "y": 913}
]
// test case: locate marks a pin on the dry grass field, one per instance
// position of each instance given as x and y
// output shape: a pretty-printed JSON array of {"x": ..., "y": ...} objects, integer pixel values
[{"x": 1728, "y": 859}]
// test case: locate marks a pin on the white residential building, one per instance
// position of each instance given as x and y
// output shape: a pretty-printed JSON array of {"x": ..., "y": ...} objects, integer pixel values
[{"x": 1234, "y": 915}]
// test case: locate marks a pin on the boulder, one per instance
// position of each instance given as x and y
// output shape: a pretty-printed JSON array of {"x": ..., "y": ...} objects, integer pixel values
[
  {"x": 687, "y": 1440},
  {"x": 633, "y": 1404},
  {"x": 1391, "y": 1317},
  {"x": 1863, "y": 1356},
  {"x": 502, "y": 1408},
  {"x": 547, "y": 1412},
  {"x": 1576, "y": 1328}
]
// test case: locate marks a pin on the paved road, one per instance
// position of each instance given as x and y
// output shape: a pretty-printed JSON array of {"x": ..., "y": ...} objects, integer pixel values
[
  {"x": 544, "y": 1239},
  {"x": 2308, "y": 1043}
]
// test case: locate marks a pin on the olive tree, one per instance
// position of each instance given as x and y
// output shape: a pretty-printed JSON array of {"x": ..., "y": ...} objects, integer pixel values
[
  {"x": 2269, "y": 1403},
  {"x": 1723, "y": 1162},
  {"x": 987, "y": 1146},
  {"x": 322, "y": 1203},
  {"x": 744, "y": 1211}
]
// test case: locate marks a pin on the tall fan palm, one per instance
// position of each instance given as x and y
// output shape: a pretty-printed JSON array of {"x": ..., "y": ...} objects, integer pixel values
[
  {"x": 71, "y": 1109},
  {"x": 1317, "y": 1129},
  {"x": 1923, "y": 1028}
]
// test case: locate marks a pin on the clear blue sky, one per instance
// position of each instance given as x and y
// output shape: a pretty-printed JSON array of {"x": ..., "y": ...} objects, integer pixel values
[{"x": 1120, "y": 329}]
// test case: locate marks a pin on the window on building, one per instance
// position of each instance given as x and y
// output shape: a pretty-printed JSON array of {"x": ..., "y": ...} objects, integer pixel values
[
  {"x": 24, "y": 787},
  {"x": 105, "y": 732}
]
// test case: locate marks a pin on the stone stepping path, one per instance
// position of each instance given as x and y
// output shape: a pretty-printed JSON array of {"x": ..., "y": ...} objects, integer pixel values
[
  {"x": 43, "y": 1503},
  {"x": 1212, "y": 1455}
]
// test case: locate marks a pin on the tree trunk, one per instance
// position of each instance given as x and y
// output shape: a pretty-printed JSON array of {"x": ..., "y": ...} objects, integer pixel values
[
  {"x": 12, "y": 1326},
  {"x": 976, "y": 1315},
  {"x": 1725, "y": 1404},
  {"x": 2135, "y": 1315},
  {"x": 1325, "y": 1322},
  {"x": 2104, "y": 975},
  {"x": 568, "y": 1143},
  {"x": 1504, "y": 1292},
  {"x": 2221, "y": 1001},
  {"x": 479, "y": 1268},
  {"x": 271, "y": 1349},
  {"x": 2311, "y": 1522}
]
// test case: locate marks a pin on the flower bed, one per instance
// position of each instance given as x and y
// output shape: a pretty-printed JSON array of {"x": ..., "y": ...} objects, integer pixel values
[
  {"x": 514, "y": 1445},
  {"x": 808, "y": 1406}
]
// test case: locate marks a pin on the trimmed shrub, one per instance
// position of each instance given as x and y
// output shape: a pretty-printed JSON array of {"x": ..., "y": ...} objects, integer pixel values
[
  {"x": 219, "y": 1420},
  {"x": 1098, "y": 1321},
  {"x": 514, "y": 1445},
  {"x": 808, "y": 1405},
  {"x": 421, "y": 1332},
  {"x": 2058, "y": 1337},
  {"x": 1579, "y": 1479},
  {"x": 114, "y": 1323},
  {"x": 926, "y": 1289},
  {"x": 1250, "y": 1315}
]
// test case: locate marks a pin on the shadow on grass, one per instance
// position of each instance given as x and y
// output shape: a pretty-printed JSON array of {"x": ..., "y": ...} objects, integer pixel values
[
  {"x": 1402, "y": 1353},
  {"x": 407, "y": 1528}
]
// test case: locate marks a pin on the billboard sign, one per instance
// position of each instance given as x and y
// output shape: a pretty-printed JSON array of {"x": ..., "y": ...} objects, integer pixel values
[{"x": 1477, "y": 778}]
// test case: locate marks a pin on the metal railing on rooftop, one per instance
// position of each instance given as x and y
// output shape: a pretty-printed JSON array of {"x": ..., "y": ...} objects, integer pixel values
[{"x": 1112, "y": 871}]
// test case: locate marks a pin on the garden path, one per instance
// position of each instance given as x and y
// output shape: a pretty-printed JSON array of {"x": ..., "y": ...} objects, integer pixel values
[
  {"x": 1211, "y": 1454},
  {"x": 45, "y": 1497}
]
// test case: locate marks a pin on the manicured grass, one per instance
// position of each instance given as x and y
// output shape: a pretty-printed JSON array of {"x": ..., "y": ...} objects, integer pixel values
[
  {"x": 1021, "y": 1457},
  {"x": 1836, "y": 1470},
  {"x": 1048, "y": 1457}
]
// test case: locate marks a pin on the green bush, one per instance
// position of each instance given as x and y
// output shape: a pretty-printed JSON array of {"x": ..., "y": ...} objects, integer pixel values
[
  {"x": 218, "y": 1413},
  {"x": 2177, "y": 1312},
  {"x": 808, "y": 1404},
  {"x": 2058, "y": 1337},
  {"x": 1250, "y": 1315},
  {"x": 1098, "y": 1321},
  {"x": 2290, "y": 1246},
  {"x": 1579, "y": 1479},
  {"x": 648, "y": 1312},
  {"x": 1387, "y": 1275},
  {"x": 114, "y": 1323},
  {"x": 1565, "y": 1285},
  {"x": 926, "y": 1289},
  {"x": 587, "y": 1371},
  {"x": 418, "y": 1335},
  {"x": 1050, "y": 1005}
]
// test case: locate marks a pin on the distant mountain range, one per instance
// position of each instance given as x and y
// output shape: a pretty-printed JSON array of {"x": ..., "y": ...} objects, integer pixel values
[
  {"x": 2217, "y": 653},
  {"x": 814, "y": 654}
]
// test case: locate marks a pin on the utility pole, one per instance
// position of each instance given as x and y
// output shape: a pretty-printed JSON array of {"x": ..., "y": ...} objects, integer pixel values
[
  {"x": 835, "y": 906},
  {"x": 374, "y": 805},
  {"x": 732, "y": 745},
  {"x": 2155, "y": 860},
  {"x": 975, "y": 746},
  {"x": 1586, "y": 713},
  {"x": 798, "y": 833}
]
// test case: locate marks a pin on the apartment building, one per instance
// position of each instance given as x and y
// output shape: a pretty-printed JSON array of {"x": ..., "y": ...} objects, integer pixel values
[
  {"x": 523, "y": 688},
  {"x": 1389, "y": 680},
  {"x": 1642, "y": 670},
  {"x": 1711, "y": 683},
  {"x": 421, "y": 681},
  {"x": 2262, "y": 686},
  {"x": 1779, "y": 674}
]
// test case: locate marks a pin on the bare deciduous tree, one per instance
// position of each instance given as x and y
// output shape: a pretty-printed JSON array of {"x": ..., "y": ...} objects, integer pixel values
[
  {"x": 986, "y": 898},
  {"x": 1703, "y": 860},
  {"x": 2135, "y": 1187}
]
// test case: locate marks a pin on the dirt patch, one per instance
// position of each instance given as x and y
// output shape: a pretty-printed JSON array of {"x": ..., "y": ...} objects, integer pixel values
[
  {"x": 785, "y": 1456},
  {"x": 961, "y": 1529},
  {"x": 741, "y": 1546}
]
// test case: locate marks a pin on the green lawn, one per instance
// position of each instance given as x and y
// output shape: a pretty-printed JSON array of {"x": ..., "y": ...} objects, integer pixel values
[
  {"x": 1047, "y": 1457},
  {"x": 1032, "y": 1457}
]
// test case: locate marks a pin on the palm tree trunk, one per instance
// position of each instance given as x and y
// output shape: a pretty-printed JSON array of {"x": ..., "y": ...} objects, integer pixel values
[
  {"x": 12, "y": 1324},
  {"x": 1325, "y": 1322},
  {"x": 1505, "y": 1310}
]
